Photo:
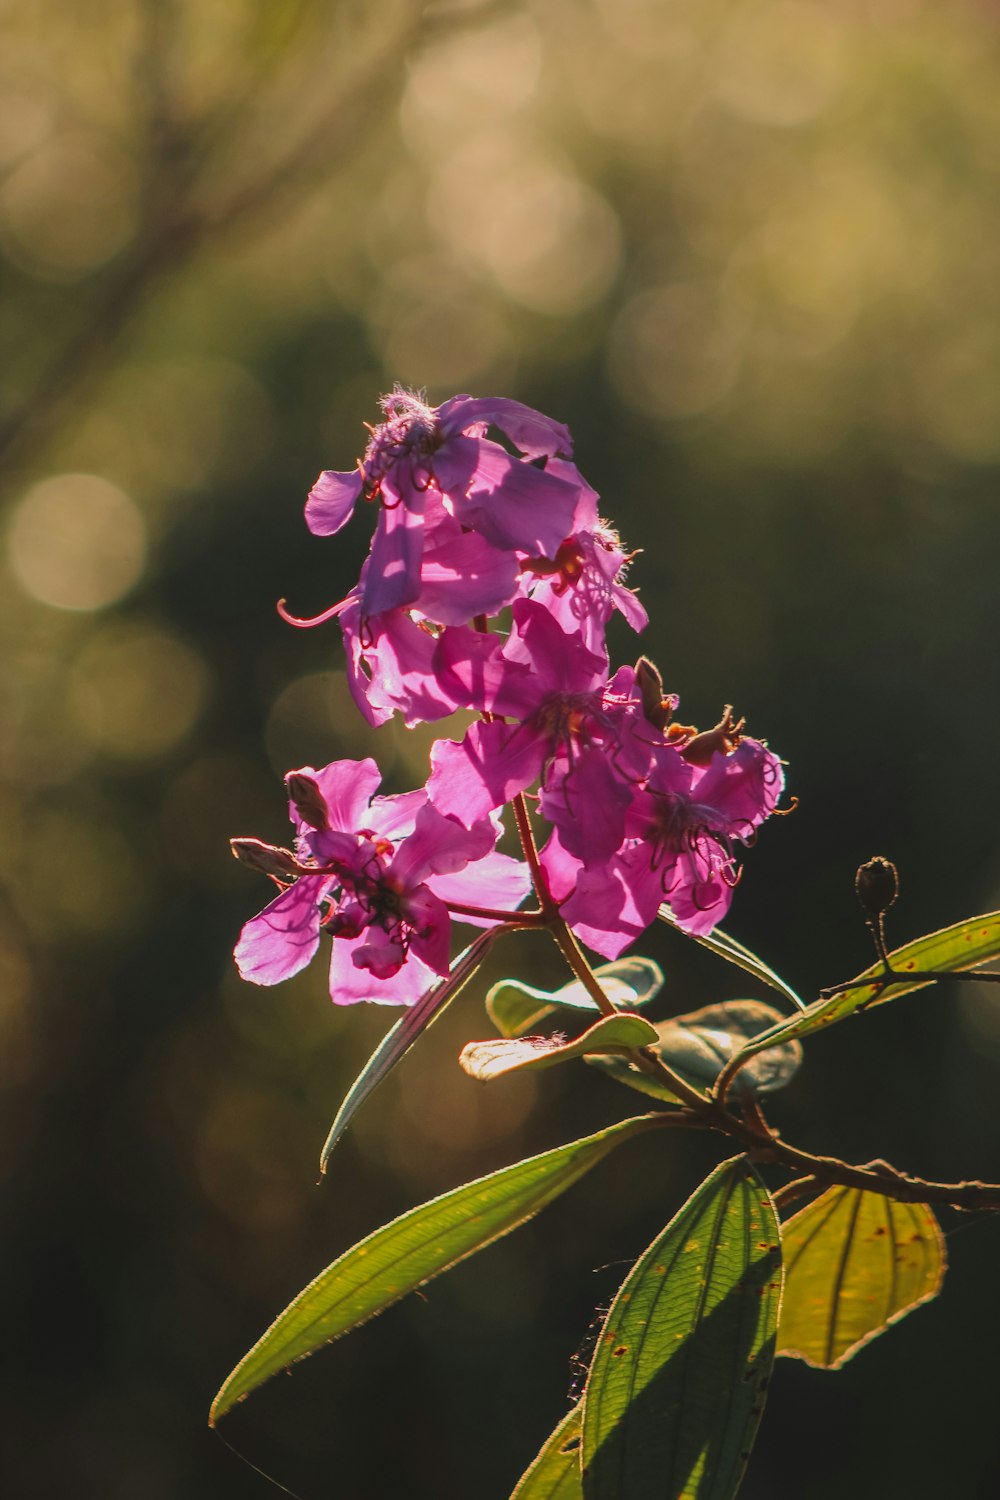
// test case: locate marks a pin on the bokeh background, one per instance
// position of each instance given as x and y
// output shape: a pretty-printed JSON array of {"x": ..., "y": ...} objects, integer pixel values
[{"x": 747, "y": 249}]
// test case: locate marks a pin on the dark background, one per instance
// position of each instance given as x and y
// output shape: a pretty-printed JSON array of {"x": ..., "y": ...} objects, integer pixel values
[{"x": 747, "y": 251}]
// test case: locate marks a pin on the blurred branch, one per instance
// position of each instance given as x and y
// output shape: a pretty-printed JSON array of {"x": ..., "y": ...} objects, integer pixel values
[{"x": 179, "y": 216}]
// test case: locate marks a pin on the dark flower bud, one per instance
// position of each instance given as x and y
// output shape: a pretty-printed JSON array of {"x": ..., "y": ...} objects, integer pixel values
[
  {"x": 877, "y": 885},
  {"x": 656, "y": 707},
  {"x": 270, "y": 859},
  {"x": 307, "y": 800}
]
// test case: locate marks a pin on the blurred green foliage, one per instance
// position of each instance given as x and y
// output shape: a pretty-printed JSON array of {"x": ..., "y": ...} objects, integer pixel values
[{"x": 747, "y": 249}]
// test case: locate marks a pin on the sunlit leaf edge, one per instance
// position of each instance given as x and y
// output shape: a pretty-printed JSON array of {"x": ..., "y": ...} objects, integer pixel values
[
  {"x": 724, "y": 946},
  {"x": 941, "y": 950},
  {"x": 553, "y": 1474},
  {"x": 531, "y": 1184},
  {"x": 766, "y": 1239}
]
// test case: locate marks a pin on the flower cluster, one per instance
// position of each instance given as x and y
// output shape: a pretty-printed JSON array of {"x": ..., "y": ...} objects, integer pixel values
[{"x": 643, "y": 810}]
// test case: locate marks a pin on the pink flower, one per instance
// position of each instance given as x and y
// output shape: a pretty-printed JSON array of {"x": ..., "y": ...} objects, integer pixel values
[
  {"x": 681, "y": 830},
  {"x": 546, "y": 679},
  {"x": 376, "y": 874},
  {"x": 510, "y": 503},
  {"x": 583, "y": 583}
]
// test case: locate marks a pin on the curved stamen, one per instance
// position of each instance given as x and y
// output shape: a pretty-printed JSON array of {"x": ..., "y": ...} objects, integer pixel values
[{"x": 307, "y": 623}]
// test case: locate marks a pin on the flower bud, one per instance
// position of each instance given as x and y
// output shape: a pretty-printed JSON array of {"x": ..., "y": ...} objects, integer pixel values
[
  {"x": 877, "y": 885},
  {"x": 308, "y": 800},
  {"x": 270, "y": 859},
  {"x": 657, "y": 707}
]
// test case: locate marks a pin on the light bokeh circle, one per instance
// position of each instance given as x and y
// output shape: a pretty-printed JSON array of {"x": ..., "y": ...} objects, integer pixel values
[{"x": 76, "y": 541}]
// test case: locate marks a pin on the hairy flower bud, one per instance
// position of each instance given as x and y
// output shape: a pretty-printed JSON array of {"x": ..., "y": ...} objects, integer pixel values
[
  {"x": 657, "y": 706},
  {"x": 270, "y": 859},
  {"x": 308, "y": 800},
  {"x": 877, "y": 885}
]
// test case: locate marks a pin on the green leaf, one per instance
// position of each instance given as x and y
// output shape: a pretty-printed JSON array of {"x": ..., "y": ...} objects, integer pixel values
[
  {"x": 676, "y": 1388},
  {"x": 555, "y": 1473},
  {"x": 854, "y": 1263},
  {"x": 515, "y": 1008},
  {"x": 494, "y": 1058},
  {"x": 414, "y": 1248},
  {"x": 726, "y": 947},
  {"x": 400, "y": 1038},
  {"x": 963, "y": 946},
  {"x": 698, "y": 1046}
]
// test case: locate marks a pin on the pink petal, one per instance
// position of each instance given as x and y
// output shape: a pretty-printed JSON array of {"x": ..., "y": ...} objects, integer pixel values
[
  {"x": 535, "y": 435},
  {"x": 493, "y": 762},
  {"x": 508, "y": 501},
  {"x": 463, "y": 576},
  {"x": 347, "y": 787},
  {"x": 587, "y": 803},
  {"x": 332, "y": 500},
  {"x": 495, "y": 881},
  {"x": 439, "y": 845},
  {"x": 744, "y": 787},
  {"x": 349, "y": 984},
  {"x": 281, "y": 940},
  {"x": 392, "y": 577}
]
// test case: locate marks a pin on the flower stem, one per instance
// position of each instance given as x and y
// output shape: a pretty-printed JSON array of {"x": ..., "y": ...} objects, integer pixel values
[{"x": 492, "y": 914}]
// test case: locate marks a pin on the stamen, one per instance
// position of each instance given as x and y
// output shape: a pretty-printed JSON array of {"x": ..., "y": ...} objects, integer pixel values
[{"x": 308, "y": 623}]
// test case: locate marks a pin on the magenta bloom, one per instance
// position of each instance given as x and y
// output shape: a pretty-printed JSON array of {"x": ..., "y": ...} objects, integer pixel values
[
  {"x": 375, "y": 873},
  {"x": 547, "y": 680},
  {"x": 508, "y": 502},
  {"x": 681, "y": 831},
  {"x": 584, "y": 582}
]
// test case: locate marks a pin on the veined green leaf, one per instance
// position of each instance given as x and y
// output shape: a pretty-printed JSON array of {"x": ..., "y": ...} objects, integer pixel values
[
  {"x": 500, "y": 1055},
  {"x": 676, "y": 1388},
  {"x": 963, "y": 946},
  {"x": 515, "y": 1008},
  {"x": 400, "y": 1038},
  {"x": 854, "y": 1263},
  {"x": 555, "y": 1473},
  {"x": 726, "y": 947},
  {"x": 414, "y": 1248},
  {"x": 698, "y": 1046}
]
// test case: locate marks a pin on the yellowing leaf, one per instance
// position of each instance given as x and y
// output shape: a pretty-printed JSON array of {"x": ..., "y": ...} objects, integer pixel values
[{"x": 854, "y": 1263}]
